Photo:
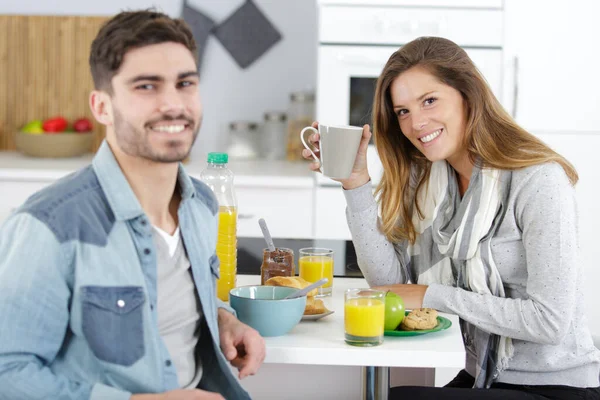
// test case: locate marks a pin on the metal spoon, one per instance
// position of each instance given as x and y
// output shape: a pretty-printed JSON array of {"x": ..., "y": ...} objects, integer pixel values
[
  {"x": 302, "y": 292},
  {"x": 266, "y": 234}
]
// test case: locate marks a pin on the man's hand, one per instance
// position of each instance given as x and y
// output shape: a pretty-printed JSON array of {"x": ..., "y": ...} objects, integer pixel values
[
  {"x": 412, "y": 294},
  {"x": 242, "y": 346},
  {"x": 180, "y": 394}
]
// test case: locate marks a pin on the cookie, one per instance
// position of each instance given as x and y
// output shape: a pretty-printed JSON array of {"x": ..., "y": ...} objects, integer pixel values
[{"x": 420, "y": 319}]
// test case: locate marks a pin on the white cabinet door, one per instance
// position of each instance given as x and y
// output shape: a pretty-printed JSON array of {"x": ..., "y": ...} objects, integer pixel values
[
  {"x": 557, "y": 80},
  {"x": 580, "y": 150},
  {"x": 330, "y": 214},
  {"x": 14, "y": 193},
  {"x": 288, "y": 212}
]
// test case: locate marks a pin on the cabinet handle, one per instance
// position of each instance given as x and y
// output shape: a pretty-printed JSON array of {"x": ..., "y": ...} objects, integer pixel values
[
  {"x": 245, "y": 216},
  {"x": 515, "y": 86}
]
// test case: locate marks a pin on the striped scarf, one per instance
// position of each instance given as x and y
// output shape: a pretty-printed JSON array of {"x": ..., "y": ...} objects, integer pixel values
[{"x": 453, "y": 247}]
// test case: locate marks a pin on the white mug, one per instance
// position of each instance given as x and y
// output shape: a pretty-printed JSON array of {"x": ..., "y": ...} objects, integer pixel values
[{"x": 338, "y": 148}]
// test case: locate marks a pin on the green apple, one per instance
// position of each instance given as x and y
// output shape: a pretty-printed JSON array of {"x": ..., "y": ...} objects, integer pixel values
[
  {"x": 34, "y": 127},
  {"x": 394, "y": 311}
]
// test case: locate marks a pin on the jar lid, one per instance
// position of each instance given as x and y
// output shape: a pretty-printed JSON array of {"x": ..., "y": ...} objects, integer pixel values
[
  {"x": 302, "y": 96},
  {"x": 218, "y": 158},
  {"x": 243, "y": 126},
  {"x": 275, "y": 116}
]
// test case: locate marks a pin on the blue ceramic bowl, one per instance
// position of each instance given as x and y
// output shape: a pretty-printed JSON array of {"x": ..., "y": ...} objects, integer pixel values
[{"x": 262, "y": 308}]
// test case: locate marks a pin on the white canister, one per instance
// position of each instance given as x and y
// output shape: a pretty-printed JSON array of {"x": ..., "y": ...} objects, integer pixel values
[
  {"x": 273, "y": 146},
  {"x": 244, "y": 140}
]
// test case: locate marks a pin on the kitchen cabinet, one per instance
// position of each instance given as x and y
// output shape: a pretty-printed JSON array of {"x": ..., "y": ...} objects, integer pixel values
[
  {"x": 14, "y": 192},
  {"x": 280, "y": 192},
  {"x": 550, "y": 64},
  {"x": 287, "y": 211},
  {"x": 330, "y": 213}
]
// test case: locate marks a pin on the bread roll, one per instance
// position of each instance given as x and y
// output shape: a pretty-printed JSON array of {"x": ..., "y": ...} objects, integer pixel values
[
  {"x": 291, "y": 281},
  {"x": 314, "y": 306}
]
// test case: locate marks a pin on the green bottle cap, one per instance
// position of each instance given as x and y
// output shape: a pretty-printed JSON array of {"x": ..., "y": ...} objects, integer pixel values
[{"x": 218, "y": 158}]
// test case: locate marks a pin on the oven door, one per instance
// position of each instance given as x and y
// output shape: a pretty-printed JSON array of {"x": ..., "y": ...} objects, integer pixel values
[
  {"x": 250, "y": 254},
  {"x": 347, "y": 75}
]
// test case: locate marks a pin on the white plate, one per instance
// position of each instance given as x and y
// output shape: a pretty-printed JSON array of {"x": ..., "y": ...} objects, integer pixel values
[{"x": 315, "y": 317}]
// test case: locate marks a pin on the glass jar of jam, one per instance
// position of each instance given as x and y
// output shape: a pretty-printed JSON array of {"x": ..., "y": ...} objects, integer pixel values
[{"x": 276, "y": 263}]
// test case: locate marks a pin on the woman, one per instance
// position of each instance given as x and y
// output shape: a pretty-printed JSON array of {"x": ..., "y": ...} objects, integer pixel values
[{"x": 477, "y": 218}]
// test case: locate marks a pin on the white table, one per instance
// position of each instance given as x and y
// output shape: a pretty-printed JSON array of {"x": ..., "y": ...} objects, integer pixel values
[{"x": 322, "y": 343}]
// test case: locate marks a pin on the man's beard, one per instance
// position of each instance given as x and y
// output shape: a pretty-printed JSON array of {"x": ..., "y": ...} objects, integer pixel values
[{"x": 134, "y": 142}]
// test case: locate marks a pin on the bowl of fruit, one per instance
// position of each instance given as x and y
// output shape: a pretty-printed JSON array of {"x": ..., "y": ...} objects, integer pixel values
[{"x": 55, "y": 138}]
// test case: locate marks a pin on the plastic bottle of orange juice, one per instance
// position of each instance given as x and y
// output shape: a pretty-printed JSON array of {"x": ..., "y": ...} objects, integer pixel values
[{"x": 220, "y": 179}]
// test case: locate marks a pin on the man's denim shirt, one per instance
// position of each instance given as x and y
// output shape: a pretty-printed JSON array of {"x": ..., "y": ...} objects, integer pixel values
[{"x": 78, "y": 286}]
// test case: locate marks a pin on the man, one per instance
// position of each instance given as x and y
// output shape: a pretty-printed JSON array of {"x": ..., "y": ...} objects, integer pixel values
[{"x": 107, "y": 277}]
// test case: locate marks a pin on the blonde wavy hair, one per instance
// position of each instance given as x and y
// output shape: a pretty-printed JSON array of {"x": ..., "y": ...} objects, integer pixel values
[{"x": 492, "y": 138}]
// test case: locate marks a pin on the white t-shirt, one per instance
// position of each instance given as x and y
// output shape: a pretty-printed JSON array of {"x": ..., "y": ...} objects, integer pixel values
[{"x": 178, "y": 306}]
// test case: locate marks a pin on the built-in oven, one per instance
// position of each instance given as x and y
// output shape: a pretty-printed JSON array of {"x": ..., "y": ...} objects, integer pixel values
[
  {"x": 356, "y": 38},
  {"x": 250, "y": 253}
]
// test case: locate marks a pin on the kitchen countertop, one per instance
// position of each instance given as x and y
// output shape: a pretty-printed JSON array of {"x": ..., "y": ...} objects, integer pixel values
[{"x": 16, "y": 166}]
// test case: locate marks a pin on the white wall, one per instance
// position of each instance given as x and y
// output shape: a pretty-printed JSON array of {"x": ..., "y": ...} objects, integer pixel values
[{"x": 228, "y": 92}]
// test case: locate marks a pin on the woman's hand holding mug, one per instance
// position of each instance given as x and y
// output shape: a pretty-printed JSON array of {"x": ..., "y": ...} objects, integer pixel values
[{"x": 359, "y": 175}]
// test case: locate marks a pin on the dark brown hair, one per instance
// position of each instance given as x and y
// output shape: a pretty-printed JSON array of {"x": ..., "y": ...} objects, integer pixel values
[
  {"x": 492, "y": 138},
  {"x": 133, "y": 29}
]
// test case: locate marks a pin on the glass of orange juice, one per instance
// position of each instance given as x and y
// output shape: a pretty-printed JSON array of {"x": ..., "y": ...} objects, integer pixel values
[
  {"x": 364, "y": 314},
  {"x": 316, "y": 263}
]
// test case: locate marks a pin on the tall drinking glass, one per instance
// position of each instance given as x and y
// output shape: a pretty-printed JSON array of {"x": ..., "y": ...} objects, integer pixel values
[
  {"x": 316, "y": 263},
  {"x": 364, "y": 314}
]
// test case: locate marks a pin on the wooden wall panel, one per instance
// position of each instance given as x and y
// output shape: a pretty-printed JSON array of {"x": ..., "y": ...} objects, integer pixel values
[{"x": 44, "y": 71}]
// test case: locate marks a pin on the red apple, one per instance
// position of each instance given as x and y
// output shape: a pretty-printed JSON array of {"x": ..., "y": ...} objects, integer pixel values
[
  {"x": 54, "y": 125},
  {"x": 82, "y": 125}
]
